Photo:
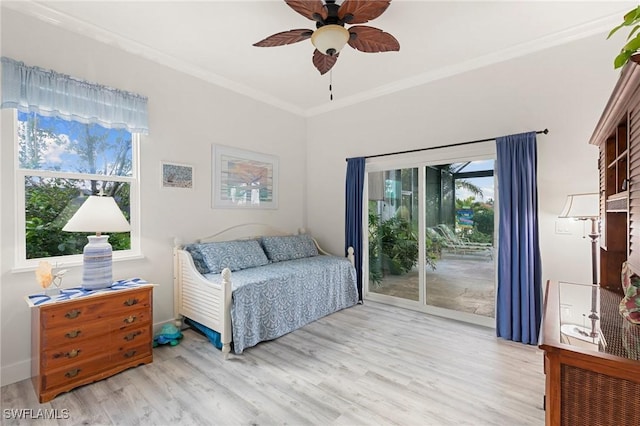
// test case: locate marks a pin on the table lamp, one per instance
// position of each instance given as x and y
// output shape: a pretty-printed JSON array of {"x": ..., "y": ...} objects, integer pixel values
[
  {"x": 586, "y": 207},
  {"x": 97, "y": 214}
]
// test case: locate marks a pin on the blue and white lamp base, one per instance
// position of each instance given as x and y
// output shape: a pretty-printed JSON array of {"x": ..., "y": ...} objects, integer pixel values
[{"x": 97, "y": 263}]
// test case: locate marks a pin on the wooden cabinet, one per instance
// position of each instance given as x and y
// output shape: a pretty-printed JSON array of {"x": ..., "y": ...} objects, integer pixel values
[
  {"x": 614, "y": 204},
  {"x": 617, "y": 134},
  {"x": 83, "y": 340},
  {"x": 615, "y": 165},
  {"x": 589, "y": 381}
]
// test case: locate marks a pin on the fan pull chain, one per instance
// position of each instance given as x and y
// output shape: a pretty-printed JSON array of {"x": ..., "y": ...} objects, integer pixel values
[{"x": 330, "y": 85}]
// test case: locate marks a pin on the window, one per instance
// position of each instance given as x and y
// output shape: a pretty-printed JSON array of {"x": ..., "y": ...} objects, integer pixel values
[
  {"x": 74, "y": 139},
  {"x": 59, "y": 164}
]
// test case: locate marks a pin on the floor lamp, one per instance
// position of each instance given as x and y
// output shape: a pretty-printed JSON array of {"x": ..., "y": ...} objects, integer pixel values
[{"x": 586, "y": 207}]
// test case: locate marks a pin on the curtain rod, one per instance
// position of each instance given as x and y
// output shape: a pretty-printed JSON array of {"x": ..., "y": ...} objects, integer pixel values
[{"x": 545, "y": 131}]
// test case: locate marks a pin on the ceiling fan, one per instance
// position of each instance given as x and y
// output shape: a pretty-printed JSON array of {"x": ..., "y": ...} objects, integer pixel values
[{"x": 331, "y": 35}]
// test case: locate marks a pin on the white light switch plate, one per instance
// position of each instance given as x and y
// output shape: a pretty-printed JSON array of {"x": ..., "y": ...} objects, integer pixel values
[{"x": 562, "y": 227}]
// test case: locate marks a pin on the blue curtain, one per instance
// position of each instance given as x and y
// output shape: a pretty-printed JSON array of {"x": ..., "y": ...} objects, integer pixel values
[
  {"x": 48, "y": 93},
  {"x": 519, "y": 310},
  {"x": 353, "y": 213}
]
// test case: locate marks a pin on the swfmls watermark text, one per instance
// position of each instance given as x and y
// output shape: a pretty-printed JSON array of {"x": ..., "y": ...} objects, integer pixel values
[{"x": 35, "y": 414}]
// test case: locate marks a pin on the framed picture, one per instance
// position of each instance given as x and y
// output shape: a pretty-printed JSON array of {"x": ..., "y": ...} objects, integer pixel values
[
  {"x": 244, "y": 179},
  {"x": 177, "y": 175}
]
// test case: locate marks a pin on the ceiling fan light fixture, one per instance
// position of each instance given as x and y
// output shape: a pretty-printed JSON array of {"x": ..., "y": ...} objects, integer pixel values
[
  {"x": 330, "y": 39},
  {"x": 330, "y": 35}
]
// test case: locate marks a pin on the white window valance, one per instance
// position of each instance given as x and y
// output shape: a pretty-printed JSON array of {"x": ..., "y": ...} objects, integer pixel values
[{"x": 48, "y": 93}]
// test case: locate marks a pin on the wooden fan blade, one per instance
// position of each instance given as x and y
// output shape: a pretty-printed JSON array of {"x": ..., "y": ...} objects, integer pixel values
[
  {"x": 309, "y": 8},
  {"x": 362, "y": 10},
  {"x": 324, "y": 62},
  {"x": 285, "y": 37},
  {"x": 371, "y": 40}
]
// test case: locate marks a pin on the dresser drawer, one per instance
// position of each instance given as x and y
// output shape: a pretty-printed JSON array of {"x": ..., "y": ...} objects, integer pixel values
[
  {"x": 133, "y": 299},
  {"x": 131, "y": 336},
  {"x": 80, "y": 311},
  {"x": 72, "y": 353},
  {"x": 129, "y": 319},
  {"x": 71, "y": 313},
  {"x": 128, "y": 352},
  {"x": 74, "y": 333},
  {"x": 76, "y": 372}
]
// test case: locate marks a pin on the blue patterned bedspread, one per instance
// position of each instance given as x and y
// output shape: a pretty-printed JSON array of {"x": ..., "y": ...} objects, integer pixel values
[{"x": 272, "y": 300}]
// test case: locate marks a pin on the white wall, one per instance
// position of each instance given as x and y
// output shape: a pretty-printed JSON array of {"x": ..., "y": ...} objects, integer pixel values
[
  {"x": 563, "y": 89},
  {"x": 186, "y": 116}
]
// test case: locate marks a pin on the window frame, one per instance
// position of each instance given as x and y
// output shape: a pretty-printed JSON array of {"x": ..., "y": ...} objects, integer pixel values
[{"x": 21, "y": 263}]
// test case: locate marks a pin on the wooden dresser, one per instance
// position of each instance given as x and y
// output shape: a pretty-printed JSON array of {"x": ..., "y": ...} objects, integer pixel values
[{"x": 87, "y": 339}]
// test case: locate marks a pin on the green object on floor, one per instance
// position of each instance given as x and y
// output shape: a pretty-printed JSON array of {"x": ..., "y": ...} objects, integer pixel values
[{"x": 169, "y": 334}]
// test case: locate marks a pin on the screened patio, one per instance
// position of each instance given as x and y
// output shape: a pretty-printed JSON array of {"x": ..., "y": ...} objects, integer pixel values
[{"x": 458, "y": 235}]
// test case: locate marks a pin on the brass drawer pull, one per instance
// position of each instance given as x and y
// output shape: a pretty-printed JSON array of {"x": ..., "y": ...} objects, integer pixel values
[
  {"x": 132, "y": 336},
  {"x": 131, "y": 302},
  {"x": 72, "y": 373},
  {"x": 74, "y": 313},
  {"x": 130, "y": 353},
  {"x": 73, "y": 334},
  {"x": 130, "y": 319},
  {"x": 72, "y": 353}
]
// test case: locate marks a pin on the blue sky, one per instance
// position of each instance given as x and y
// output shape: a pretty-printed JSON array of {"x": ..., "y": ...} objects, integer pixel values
[
  {"x": 485, "y": 183},
  {"x": 58, "y": 153}
]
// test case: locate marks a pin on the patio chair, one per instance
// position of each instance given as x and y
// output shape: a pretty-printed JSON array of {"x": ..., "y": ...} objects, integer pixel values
[{"x": 460, "y": 246}]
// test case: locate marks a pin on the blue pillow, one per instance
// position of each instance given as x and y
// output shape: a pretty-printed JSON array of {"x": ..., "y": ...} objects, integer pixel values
[
  {"x": 213, "y": 257},
  {"x": 198, "y": 260},
  {"x": 289, "y": 247}
]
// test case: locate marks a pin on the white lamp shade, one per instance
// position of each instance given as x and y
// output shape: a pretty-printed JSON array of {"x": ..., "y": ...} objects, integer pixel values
[
  {"x": 330, "y": 39},
  {"x": 582, "y": 206},
  {"x": 98, "y": 214}
]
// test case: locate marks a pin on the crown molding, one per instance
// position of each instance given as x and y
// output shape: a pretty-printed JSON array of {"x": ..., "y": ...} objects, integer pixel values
[
  {"x": 51, "y": 16},
  {"x": 44, "y": 13},
  {"x": 599, "y": 26}
]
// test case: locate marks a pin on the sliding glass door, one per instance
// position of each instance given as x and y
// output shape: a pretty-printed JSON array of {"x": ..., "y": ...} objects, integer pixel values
[
  {"x": 393, "y": 216},
  {"x": 430, "y": 242},
  {"x": 459, "y": 220}
]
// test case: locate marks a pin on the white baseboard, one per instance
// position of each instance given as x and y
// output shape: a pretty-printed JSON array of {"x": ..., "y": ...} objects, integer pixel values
[{"x": 15, "y": 372}]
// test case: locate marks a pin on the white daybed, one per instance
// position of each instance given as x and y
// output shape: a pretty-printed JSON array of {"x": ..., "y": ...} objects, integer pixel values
[{"x": 264, "y": 299}]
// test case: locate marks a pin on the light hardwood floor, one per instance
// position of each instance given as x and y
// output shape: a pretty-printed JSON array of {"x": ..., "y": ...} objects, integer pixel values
[{"x": 372, "y": 364}]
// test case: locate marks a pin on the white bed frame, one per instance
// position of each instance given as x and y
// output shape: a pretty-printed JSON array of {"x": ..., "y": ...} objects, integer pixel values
[{"x": 205, "y": 302}]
